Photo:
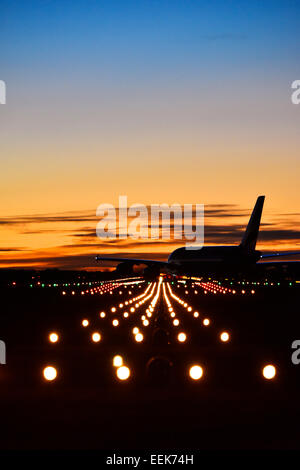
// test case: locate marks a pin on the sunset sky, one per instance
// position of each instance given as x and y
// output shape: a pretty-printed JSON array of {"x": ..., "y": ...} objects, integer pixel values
[{"x": 162, "y": 101}]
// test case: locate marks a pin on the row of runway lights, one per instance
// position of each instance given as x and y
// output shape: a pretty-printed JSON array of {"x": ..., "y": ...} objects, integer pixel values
[
  {"x": 224, "y": 335},
  {"x": 266, "y": 282},
  {"x": 138, "y": 336},
  {"x": 77, "y": 284},
  {"x": 140, "y": 300},
  {"x": 205, "y": 321},
  {"x": 123, "y": 372},
  {"x": 213, "y": 288},
  {"x": 96, "y": 337},
  {"x": 108, "y": 287}
]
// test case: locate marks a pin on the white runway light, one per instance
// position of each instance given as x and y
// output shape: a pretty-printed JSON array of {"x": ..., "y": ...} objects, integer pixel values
[
  {"x": 269, "y": 372},
  {"x": 196, "y": 372},
  {"x": 53, "y": 337},
  {"x": 50, "y": 373},
  {"x": 123, "y": 373}
]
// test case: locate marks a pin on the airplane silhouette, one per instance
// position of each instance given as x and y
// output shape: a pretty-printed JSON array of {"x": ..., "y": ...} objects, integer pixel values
[{"x": 210, "y": 258}]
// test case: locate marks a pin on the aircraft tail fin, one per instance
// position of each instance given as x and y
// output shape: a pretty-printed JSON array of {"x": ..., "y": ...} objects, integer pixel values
[{"x": 250, "y": 236}]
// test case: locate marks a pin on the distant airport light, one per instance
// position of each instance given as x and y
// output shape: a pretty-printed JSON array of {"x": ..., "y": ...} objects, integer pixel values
[
  {"x": 50, "y": 373},
  {"x": 135, "y": 330},
  {"x": 139, "y": 337},
  {"x": 85, "y": 323},
  {"x": 224, "y": 336},
  {"x": 113, "y": 309},
  {"x": 206, "y": 321},
  {"x": 96, "y": 337},
  {"x": 196, "y": 372},
  {"x": 53, "y": 337},
  {"x": 125, "y": 314},
  {"x": 102, "y": 314},
  {"x": 123, "y": 373},
  {"x": 269, "y": 372},
  {"x": 189, "y": 309},
  {"x": 181, "y": 337},
  {"x": 115, "y": 322},
  {"x": 196, "y": 314},
  {"x": 145, "y": 322},
  {"x": 176, "y": 322},
  {"x": 117, "y": 361}
]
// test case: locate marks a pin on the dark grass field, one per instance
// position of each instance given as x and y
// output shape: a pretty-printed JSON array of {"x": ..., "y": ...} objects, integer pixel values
[{"x": 231, "y": 408}]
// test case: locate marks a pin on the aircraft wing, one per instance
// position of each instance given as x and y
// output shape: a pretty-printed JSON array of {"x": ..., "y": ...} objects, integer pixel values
[
  {"x": 277, "y": 255},
  {"x": 147, "y": 262}
]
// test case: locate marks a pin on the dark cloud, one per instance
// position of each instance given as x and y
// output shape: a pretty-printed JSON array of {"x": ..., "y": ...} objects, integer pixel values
[
  {"x": 82, "y": 261},
  {"x": 11, "y": 249}
]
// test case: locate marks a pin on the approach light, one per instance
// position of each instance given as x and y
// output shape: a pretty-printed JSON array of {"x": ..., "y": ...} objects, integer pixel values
[
  {"x": 139, "y": 337},
  {"x": 176, "y": 322},
  {"x": 224, "y": 336},
  {"x": 123, "y": 373},
  {"x": 50, "y": 373},
  {"x": 195, "y": 372},
  {"x": 269, "y": 372},
  {"x": 53, "y": 337},
  {"x": 135, "y": 330},
  {"x": 206, "y": 322},
  {"x": 96, "y": 337},
  {"x": 85, "y": 323},
  {"x": 181, "y": 337},
  {"x": 102, "y": 314},
  {"x": 117, "y": 361},
  {"x": 115, "y": 322},
  {"x": 196, "y": 314}
]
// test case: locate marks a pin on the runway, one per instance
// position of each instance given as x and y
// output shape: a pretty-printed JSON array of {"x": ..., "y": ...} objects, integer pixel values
[{"x": 160, "y": 363}]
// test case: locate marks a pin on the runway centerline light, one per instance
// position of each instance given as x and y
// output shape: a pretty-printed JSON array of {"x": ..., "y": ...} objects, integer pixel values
[
  {"x": 224, "y": 336},
  {"x": 269, "y": 372},
  {"x": 117, "y": 361},
  {"x": 123, "y": 373},
  {"x": 139, "y": 337},
  {"x": 50, "y": 373},
  {"x": 96, "y": 337},
  {"x": 196, "y": 372},
  {"x": 181, "y": 337},
  {"x": 53, "y": 337}
]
